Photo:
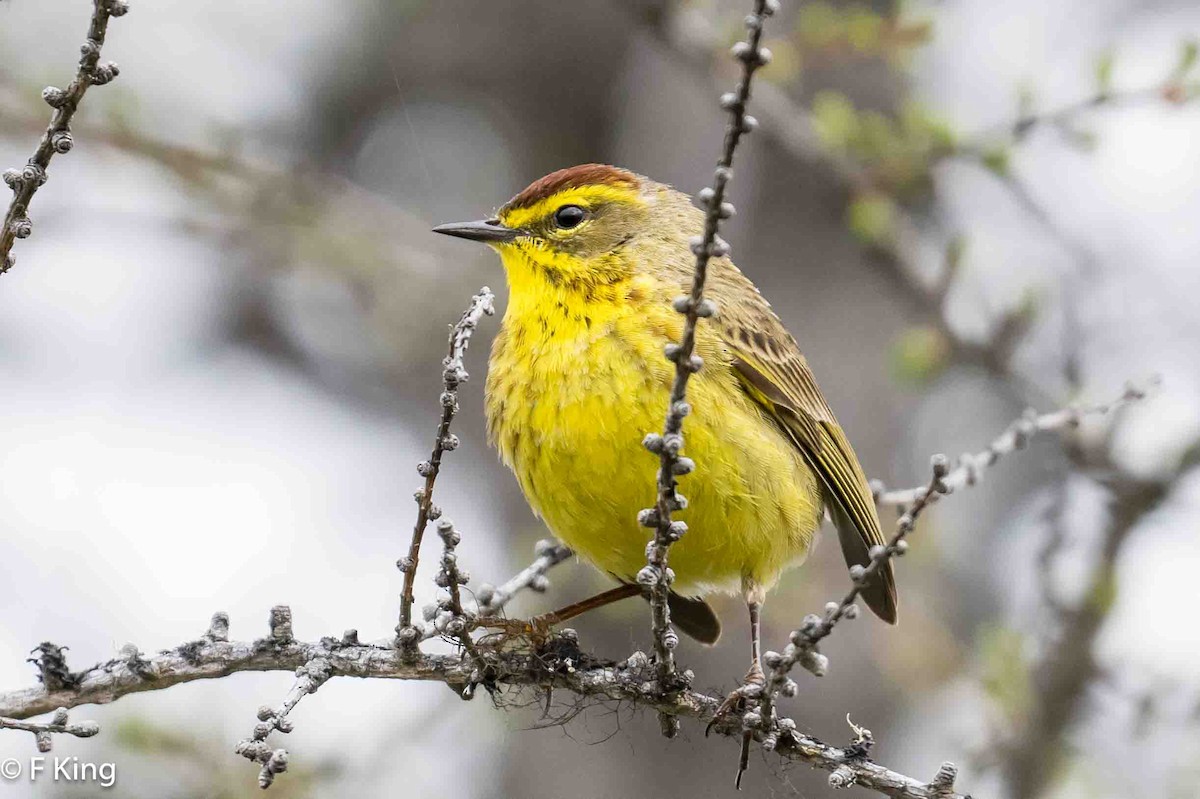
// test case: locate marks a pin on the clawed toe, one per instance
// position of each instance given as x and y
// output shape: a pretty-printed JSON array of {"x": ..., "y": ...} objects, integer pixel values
[
  {"x": 536, "y": 628},
  {"x": 751, "y": 688}
]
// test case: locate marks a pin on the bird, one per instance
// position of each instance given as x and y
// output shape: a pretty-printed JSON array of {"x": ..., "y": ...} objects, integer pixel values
[{"x": 594, "y": 255}]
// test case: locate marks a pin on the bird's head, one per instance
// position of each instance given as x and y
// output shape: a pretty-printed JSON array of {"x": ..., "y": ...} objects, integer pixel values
[{"x": 585, "y": 226}]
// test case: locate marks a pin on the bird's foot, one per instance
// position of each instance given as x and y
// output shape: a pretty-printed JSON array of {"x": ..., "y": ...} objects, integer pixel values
[
  {"x": 750, "y": 689},
  {"x": 536, "y": 629}
]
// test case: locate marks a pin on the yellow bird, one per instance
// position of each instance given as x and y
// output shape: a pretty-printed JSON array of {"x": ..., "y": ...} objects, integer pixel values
[{"x": 594, "y": 256}]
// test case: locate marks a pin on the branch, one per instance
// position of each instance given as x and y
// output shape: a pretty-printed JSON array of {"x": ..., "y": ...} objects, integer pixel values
[
  {"x": 58, "y": 724},
  {"x": 57, "y": 138},
  {"x": 656, "y": 576},
  {"x": 559, "y": 665},
  {"x": 970, "y": 468},
  {"x": 453, "y": 375},
  {"x": 547, "y": 555},
  {"x": 803, "y": 649},
  {"x": 1060, "y": 680},
  {"x": 791, "y": 127}
]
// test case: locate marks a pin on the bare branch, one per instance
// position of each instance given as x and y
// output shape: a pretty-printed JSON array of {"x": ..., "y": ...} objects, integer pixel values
[
  {"x": 969, "y": 468},
  {"x": 57, "y": 138},
  {"x": 547, "y": 555},
  {"x": 453, "y": 375},
  {"x": 448, "y": 615},
  {"x": 315, "y": 672},
  {"x": 42, "y": 732},
  {"x": 656, "y": 576},
  {"x": 803, "y": 649},
  {"x": 633, "y": 680}
]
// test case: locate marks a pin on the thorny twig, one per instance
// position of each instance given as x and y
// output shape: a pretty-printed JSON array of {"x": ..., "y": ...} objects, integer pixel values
[
  {"x": 57, "y": 139},
  {"x": 453, "y": 375},
  {"x": 656, "y": 576},
  {"x": 214, "y": 656}
]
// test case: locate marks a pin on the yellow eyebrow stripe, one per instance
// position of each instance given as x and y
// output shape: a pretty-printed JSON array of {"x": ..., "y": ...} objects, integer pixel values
[{"x": 583, "y": 196}]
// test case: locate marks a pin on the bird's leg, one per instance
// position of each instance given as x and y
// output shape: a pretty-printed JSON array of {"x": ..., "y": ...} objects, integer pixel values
[
  {"x": 539, "y": 626},
  {"x": 753, "y": 682},
  {"x": 547, "y": 620}
]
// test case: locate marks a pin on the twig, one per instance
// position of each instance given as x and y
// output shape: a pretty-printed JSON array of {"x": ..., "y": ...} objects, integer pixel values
[
  {"x": 453, "y": 375},
  {"x": 42, "y": 732},
  {"x": 448, "y": 616},
  {"x": 656, "y": 576},
  {"x": 57, "y": 138},
  {"x": 315, "y": 672},
  {"x": 632, "y": 681},
  {"x": 803, "y": 648},
  {"x": 547, "y": 555},
  {"x": 969, "y": 468}
]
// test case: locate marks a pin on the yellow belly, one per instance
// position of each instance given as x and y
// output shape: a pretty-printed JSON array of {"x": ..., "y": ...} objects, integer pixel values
[{"x": 568, "y": 413}]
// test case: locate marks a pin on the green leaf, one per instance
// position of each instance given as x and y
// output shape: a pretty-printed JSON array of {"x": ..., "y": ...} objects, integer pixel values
[
  {"x": 1104, "y": 74},
  {"x": 872, "y": 219},
  {"x": 835, "y": 119},
  {"x": 1188, "y": 52},
  {"x": 1104, "y": 593},
  {"x": 919, "y": 355},
  {"x": 1005, "y": 675},
  {"x": 996, "y": 160}
]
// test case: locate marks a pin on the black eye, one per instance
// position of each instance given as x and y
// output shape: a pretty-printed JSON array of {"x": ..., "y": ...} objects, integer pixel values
[{"x": 569, "y": 216}]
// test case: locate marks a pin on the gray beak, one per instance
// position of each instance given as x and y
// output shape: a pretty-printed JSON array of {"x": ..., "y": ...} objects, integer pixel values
[{"x": 485, "y": 230}]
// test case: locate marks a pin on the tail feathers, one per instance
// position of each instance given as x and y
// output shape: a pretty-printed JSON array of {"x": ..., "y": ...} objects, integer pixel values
[{"x": 695, "y": 618}]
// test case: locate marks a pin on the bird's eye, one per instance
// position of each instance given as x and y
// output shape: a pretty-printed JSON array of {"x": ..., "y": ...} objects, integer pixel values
[{"x": 568, "y": 216}]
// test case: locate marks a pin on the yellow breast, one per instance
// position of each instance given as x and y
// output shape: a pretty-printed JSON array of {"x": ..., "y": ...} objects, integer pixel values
[{"x": 573, "y": 387}]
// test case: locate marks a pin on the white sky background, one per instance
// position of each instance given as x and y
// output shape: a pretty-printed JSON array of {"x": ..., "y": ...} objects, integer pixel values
[{"x": 151, "y": 474}]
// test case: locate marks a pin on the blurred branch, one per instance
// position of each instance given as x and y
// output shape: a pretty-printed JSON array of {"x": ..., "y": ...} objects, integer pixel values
[
  {"x": 57, "y": 138},
  {"x": 1031, "y": 756},
  {"x": 896, "y": 244},
  {"x": 1031, "y": 753},
  {"x": 558, "y": 665},
  {"x": 891, "y": 234}
]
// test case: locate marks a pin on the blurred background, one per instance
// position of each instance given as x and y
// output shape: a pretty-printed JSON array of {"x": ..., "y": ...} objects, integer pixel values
[{"x": 220, "y": 358}]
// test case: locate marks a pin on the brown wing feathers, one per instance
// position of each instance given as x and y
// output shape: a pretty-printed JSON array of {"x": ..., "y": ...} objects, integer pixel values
[{"x": 771, "y": 367}]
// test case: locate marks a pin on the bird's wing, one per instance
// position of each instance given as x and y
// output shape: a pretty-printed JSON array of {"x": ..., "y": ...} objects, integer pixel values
[{"x": 774, "y": 372}]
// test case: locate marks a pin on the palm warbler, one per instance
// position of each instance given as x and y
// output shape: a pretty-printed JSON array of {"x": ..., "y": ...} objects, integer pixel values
[{"x": 594, "y": 256}]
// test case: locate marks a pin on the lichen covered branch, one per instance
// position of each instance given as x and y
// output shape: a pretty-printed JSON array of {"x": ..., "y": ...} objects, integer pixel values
[
  {"x": 633, "y": 681},
  {"x": 656, "y": 575},
  {"x": 26, "y": 181}
]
